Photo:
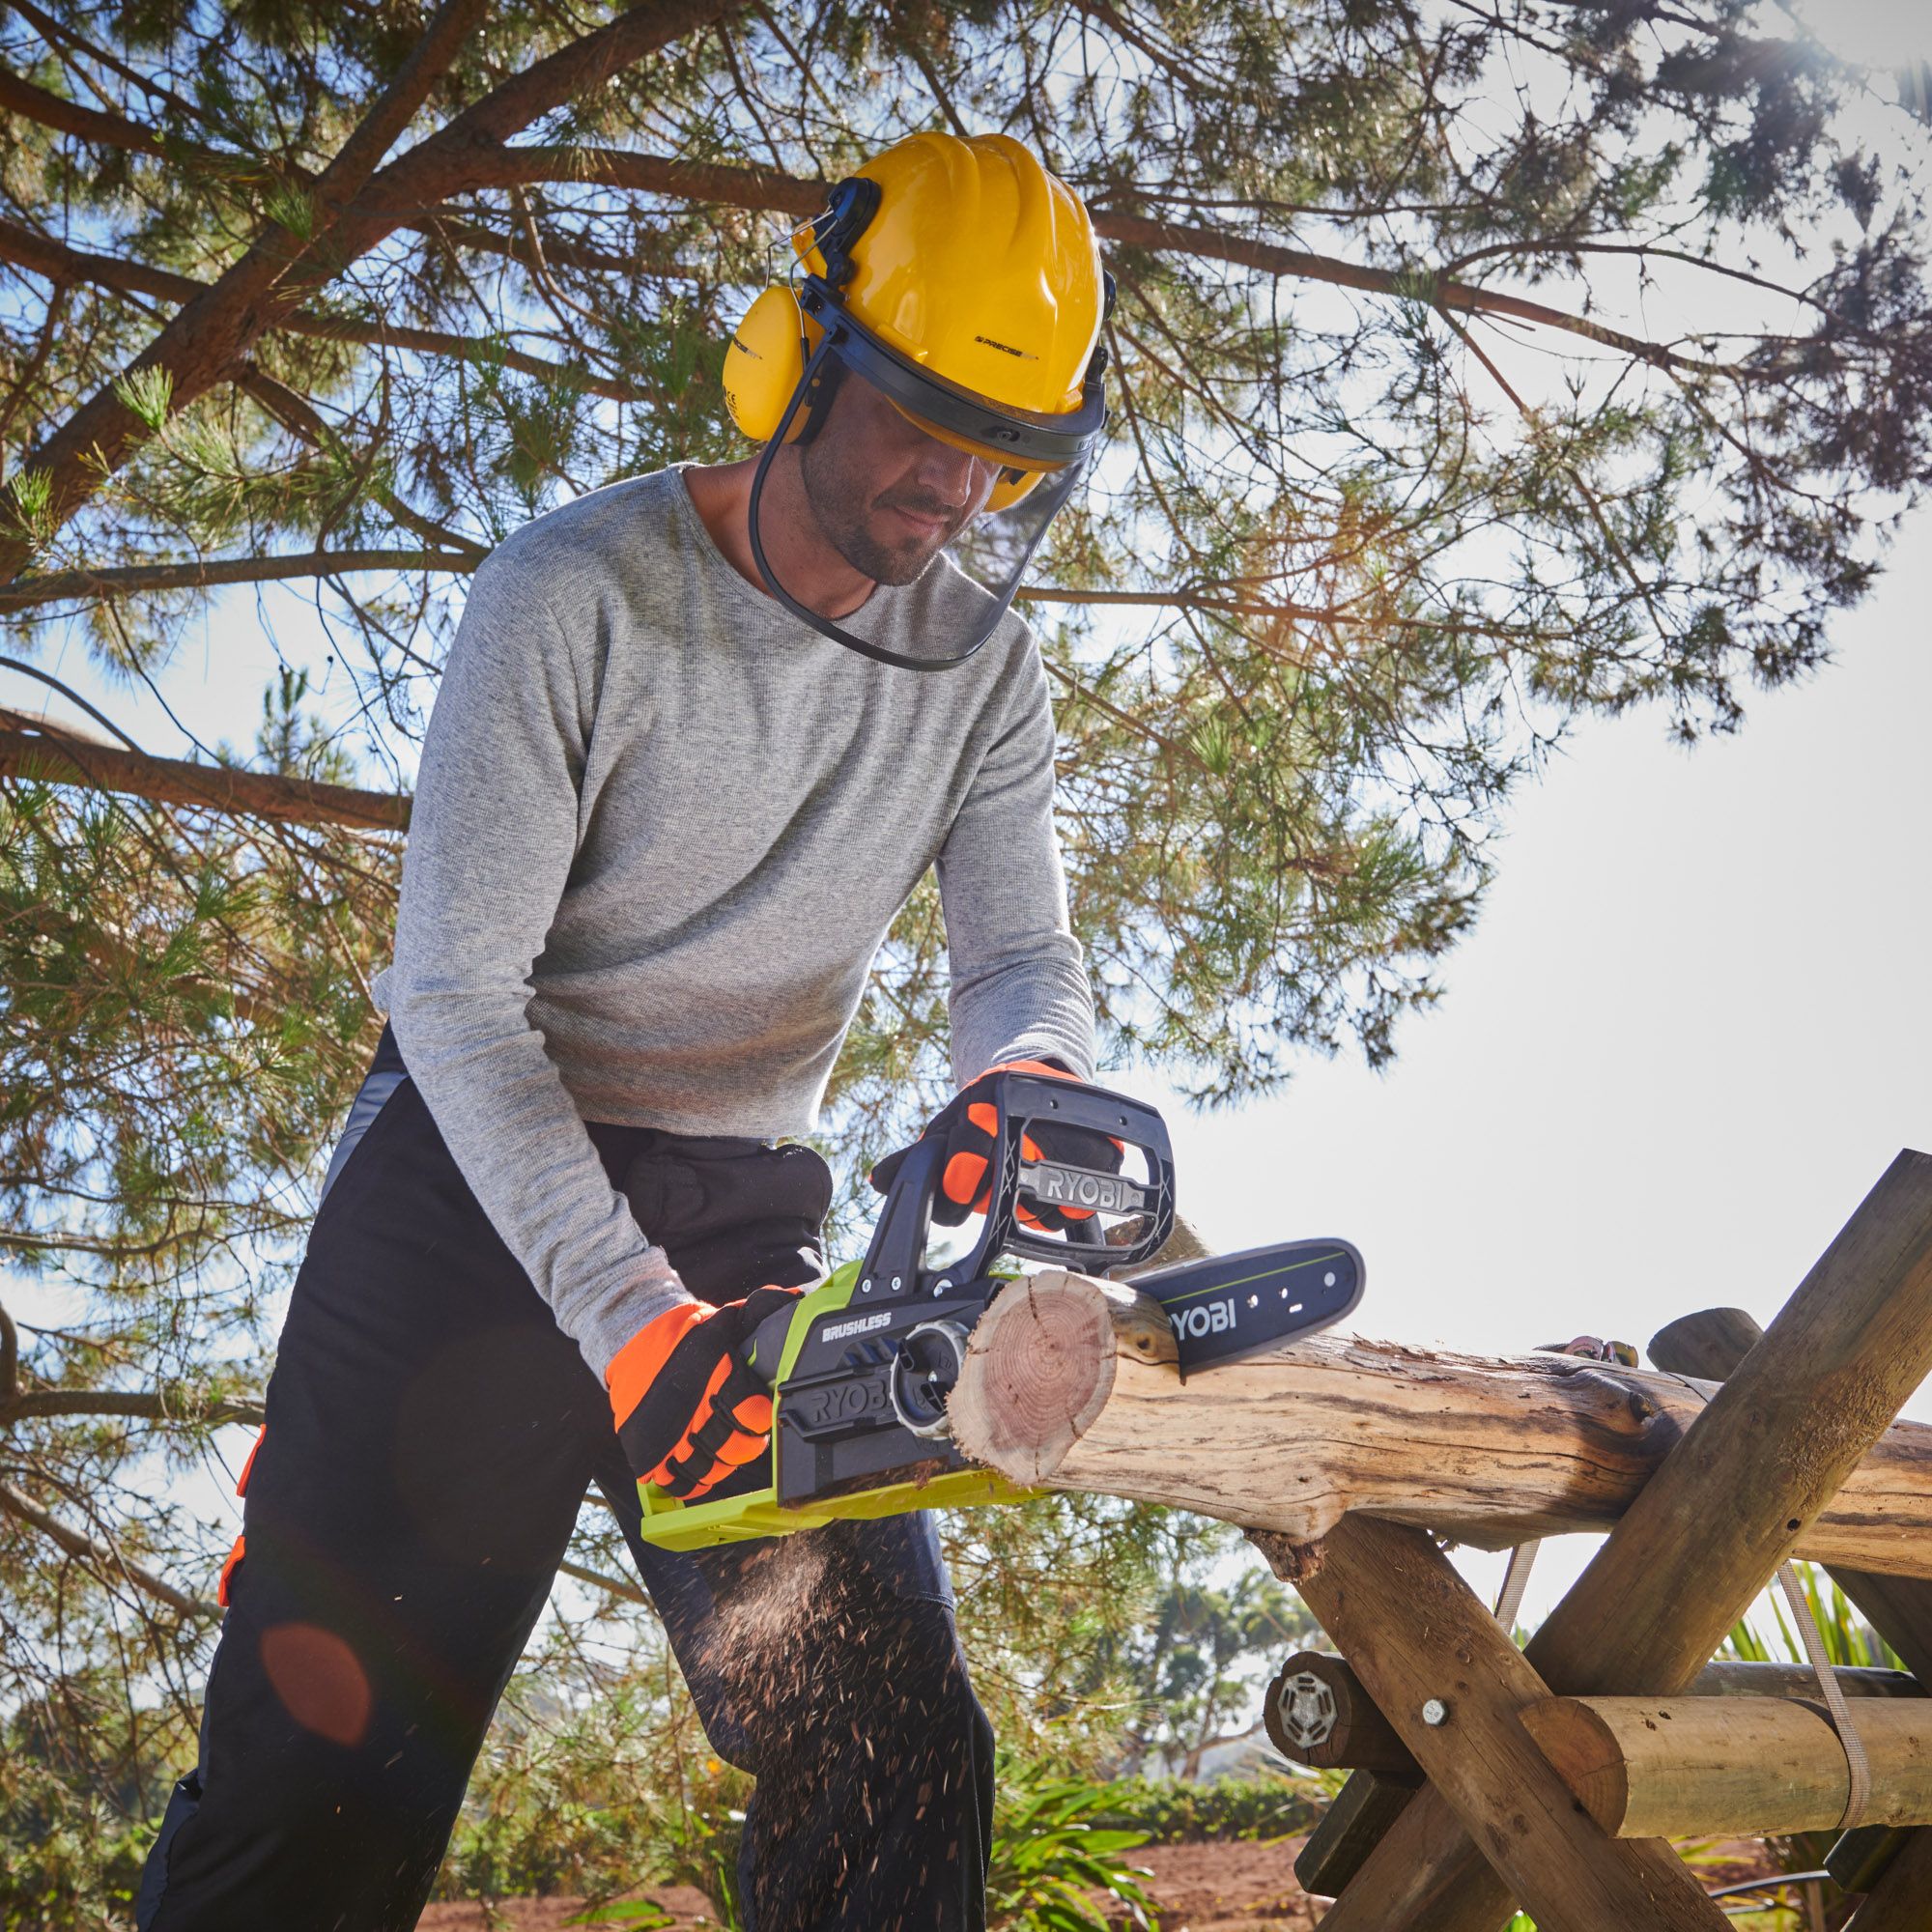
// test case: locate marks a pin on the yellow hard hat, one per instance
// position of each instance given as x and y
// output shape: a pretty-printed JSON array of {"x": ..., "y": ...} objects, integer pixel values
[
  {"x": 966, "y": 283},
  {"x": 961, "y": 278}
]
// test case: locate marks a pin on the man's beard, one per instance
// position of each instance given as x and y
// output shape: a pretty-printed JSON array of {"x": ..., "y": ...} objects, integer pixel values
[{"x": 837, "y": 494}]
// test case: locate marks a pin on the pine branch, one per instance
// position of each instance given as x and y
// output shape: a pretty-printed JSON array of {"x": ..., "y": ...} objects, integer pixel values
[
  {"x": 69, "y": 116},
  {"x": 300, "y": 418},
  {"x": 32, "y": 749},
  {"x": 145, "y": 1405},
  {"x": 200, "y": 344},
  {"x": 761, "y": 189},
  {"x": 119, "y": 579},
  {"x": 617, "y": 1586},
  {"x": 106, "y": 1561},
  {"x": 204, "y": 341},
  {"x": 57, "y": 263},
  {"x": 755, "y": 188}
]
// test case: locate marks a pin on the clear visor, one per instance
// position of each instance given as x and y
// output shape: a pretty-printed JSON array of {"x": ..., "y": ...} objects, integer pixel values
[{"x": 920, "y": 513}]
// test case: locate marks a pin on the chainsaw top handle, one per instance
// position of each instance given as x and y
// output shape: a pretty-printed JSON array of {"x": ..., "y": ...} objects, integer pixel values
[
  {"x": 894, "y": 1270},
  {"x": 892, "y": 1262}
]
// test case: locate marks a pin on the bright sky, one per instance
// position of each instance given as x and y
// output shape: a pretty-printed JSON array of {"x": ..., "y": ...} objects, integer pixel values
[{"x": 1880, "y": 34}]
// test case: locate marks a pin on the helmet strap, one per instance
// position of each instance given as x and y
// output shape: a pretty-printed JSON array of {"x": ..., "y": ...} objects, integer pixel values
[{"x": 822, "y": 389}]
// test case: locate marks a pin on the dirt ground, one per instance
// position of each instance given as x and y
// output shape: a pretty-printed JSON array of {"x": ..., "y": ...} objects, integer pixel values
[{"x": 1218, "y": 1888}]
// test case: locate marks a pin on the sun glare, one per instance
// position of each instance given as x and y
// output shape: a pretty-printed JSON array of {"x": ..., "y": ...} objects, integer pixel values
[{"x": 1883, "y": 34}]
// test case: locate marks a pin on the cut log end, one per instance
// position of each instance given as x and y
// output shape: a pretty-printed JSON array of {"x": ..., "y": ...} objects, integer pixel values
[
  {"x": 1040, "y": 1367},
  {"x": 1586, "y": 1756}
]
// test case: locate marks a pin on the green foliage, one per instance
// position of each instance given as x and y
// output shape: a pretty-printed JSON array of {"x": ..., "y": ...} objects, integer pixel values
[
  {"x": 1052, "y": 1851},
  {"x": 1276, "y": 1802},
  {"x": 147, "y": 392},
  {"x": 1848, "y": 1638},
  {"x": 639, "y": 1914},
  {"x": 84, "y": 1776}
]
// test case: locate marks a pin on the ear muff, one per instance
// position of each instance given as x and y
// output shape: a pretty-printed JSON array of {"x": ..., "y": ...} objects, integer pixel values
[
  {"x": 1013, "y": 484},
  {"x": 765, "y": 363}
]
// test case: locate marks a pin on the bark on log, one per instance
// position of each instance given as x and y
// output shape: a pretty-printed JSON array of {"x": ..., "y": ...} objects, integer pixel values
[
  {"x": 1069, "y": 1383},
  {"x": 1362, "y": 1739},
  {"x": 1731, "y": 1766}
]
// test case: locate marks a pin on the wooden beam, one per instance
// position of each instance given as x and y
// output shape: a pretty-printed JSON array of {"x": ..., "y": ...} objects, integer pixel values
[
  {"x": 1070, "y": 1382},
  {"x": 1731, "y": 1766},
  {"x": 1360, "y": 1738},
  {"x": 1900, "y": 1901},
  {"x": 1707, "y": 1531},
  {"x": 1712, "y": 1343},
  {"x": 1455, "y": 1687},
  {"x": 1353, "y": 1825}
]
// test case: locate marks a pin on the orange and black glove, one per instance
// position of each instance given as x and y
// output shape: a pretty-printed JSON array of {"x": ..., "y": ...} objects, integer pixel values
[
  {"x": 688, "y": 1408},
  {"x": 969, "y": 1124}
]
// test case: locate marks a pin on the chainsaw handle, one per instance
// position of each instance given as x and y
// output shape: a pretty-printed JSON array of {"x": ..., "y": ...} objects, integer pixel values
[
  {"x": 1024, "y": 1099},
  {"x": 765, "y": 1350}
]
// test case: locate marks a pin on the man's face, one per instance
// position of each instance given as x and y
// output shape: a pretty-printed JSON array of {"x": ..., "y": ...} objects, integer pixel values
[{"x": 887, "y": 496}]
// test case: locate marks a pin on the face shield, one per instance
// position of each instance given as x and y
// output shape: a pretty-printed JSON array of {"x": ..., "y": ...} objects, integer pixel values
[{"x": 925, "y": 487}]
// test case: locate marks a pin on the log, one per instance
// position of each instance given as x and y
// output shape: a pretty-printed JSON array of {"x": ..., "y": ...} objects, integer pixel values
[
  {"x": 1069, "y": 1383},
  {"x": 1752, "y": 1475},
  {"x": 1360, "y": 1738},
  {"x": 1731, "y": 1766},
  {"x": 1455, "y": 1687}
]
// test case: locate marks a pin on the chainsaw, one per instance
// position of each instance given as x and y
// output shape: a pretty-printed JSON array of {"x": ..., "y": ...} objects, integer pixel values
[{"x": 860, "y": 1367}]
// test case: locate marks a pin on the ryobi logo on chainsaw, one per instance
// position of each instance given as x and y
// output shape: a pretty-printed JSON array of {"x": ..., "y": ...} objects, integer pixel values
[
  {"x": 1216, "y": 1319},
  {"x": 1078, "y": 1187}
]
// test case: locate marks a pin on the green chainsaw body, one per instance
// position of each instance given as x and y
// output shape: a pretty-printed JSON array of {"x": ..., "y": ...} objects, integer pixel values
[
  {"x": 860, "y": 1367},
  {"x": 672, "y": 1524}
]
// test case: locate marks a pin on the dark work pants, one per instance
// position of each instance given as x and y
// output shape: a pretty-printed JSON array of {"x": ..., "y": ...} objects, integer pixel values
[{"x": 431, "y": 1433}]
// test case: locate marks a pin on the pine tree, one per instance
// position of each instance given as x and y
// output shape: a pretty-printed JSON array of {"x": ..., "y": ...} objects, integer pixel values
[{"x": 1473, "y": 371}]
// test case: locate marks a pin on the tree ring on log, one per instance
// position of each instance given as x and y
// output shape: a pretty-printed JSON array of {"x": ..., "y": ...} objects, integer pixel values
[{"x": 1047, "y": 1347}]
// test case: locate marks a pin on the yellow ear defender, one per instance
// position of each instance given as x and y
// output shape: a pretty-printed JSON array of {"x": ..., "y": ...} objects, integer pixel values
[{"x": 765, "y": 362}]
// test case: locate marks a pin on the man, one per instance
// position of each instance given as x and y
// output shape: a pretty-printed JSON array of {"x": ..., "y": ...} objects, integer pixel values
[{"x": 699, "y": 736}]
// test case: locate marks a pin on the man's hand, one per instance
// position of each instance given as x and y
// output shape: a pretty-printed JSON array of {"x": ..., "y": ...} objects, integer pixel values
[
  {"x": 688, "y": 1410},
  {"x": 969, "y": 1124}
]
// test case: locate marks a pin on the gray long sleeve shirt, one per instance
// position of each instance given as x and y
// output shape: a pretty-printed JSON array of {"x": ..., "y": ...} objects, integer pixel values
[{"x": 661, "y": 829}]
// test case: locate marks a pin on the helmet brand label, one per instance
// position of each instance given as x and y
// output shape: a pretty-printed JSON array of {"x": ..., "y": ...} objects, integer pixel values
[{"x": 1008, "y": 349}]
